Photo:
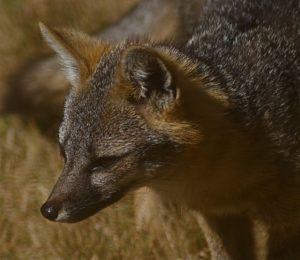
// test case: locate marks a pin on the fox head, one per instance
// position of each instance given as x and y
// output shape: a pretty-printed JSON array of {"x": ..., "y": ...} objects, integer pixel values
[{"x": 123, "y": 122}]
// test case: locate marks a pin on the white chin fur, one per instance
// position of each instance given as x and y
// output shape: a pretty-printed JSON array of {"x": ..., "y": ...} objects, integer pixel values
[{"x": 62, "y": 215}]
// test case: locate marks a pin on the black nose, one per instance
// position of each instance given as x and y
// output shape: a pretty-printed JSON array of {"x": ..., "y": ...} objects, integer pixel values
[{"x": 50, "y": 210}]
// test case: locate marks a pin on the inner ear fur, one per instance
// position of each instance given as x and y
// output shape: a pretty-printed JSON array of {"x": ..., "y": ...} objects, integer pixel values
[{"x": 149, "y": 76}]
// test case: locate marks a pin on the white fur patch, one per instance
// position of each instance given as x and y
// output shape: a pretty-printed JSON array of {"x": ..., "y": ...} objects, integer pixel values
[{"x": 62, "y": 215}]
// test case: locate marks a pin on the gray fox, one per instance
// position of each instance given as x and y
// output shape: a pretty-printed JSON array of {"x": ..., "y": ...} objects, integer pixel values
[{"x": 210, "y": 123}]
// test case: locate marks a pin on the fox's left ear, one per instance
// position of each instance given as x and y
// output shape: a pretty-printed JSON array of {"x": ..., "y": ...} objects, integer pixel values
[
  {"x": 150, "y": 77},
  {"x": 79, "y": 53}
]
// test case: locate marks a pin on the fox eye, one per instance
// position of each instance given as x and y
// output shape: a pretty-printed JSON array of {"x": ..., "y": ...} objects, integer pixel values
[{"x": 104, "y": 163}]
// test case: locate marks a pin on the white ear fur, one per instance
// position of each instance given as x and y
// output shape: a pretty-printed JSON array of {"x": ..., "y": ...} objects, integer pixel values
[{"x": 68, "y": 60}]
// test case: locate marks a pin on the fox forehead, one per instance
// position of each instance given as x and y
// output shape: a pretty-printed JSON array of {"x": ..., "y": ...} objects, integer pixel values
[
  {"x": 85, "y": 105},
  {"x": 94, "y": 120}
]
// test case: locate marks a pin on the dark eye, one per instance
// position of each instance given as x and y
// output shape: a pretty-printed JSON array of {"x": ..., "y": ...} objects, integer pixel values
[{"x": 104, "y": 163}]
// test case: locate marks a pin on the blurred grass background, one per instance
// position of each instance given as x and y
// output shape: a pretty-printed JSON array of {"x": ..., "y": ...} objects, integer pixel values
[{"x": 30, "y": 162}]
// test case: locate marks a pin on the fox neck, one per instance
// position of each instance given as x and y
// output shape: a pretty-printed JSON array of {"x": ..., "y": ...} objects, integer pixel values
[{"x": 217, "y": 170}]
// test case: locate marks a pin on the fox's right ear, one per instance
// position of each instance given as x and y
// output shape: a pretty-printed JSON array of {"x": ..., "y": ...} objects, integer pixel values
[
  {"x": 152, "y": 80},
  {"x": 79, "y": 53}
]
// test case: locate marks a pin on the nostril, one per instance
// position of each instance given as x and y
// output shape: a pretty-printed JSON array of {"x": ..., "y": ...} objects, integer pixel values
[{"x": 50, "y": 210}]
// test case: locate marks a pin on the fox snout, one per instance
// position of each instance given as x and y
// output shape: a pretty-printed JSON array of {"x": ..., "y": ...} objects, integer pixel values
[
  {"x": 54, "y": 210},
  {"x": 67, "y": 206},
  {"x": 75, "y": 197},
  {"x": 71, "y": 211}
]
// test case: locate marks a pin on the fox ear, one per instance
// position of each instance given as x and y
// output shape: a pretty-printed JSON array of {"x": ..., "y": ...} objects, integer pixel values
[
  {"x": 79, "y": 53},
  {"x": 149, "y": 75}
]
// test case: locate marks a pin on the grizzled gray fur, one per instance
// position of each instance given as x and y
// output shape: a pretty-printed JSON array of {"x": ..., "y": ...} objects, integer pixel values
[{"x": 253, "y": 51}]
